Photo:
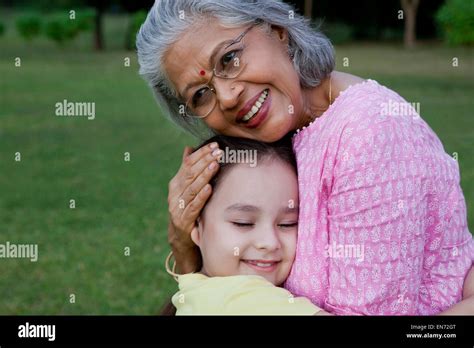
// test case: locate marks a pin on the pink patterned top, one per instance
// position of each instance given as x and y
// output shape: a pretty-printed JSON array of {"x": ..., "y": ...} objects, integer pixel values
[{"x": 382, "y": 226}]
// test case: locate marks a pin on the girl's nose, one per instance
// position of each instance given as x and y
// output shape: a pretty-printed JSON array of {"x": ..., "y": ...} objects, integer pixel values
[{"x": 268, "y": 239}]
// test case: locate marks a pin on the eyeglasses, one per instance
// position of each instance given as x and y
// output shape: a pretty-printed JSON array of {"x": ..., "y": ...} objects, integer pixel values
[{"x": 228, "y": 66}]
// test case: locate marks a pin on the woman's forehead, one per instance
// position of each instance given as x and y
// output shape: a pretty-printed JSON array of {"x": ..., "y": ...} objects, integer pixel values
[
  {"x": 202, "y": 37},
  {"x": 190, "y": 53}
]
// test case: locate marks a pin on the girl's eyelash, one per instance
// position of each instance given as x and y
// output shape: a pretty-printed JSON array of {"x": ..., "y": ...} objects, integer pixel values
[
  {"x": 249, "y": 224},
  {"x": 293, "y": 224},
  {"x": 242, "y": 224}
]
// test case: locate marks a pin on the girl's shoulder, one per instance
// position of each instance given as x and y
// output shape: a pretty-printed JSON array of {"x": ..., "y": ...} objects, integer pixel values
[
  {"x": 191, "y": 280},
  {"x": 239, "y": 294}
]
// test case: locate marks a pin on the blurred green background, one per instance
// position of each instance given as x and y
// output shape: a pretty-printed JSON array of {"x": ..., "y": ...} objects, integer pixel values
[{"x": 122, "y": 204}]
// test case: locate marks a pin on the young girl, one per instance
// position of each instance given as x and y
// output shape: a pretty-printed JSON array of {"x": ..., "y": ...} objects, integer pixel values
[{"x": 247, "y": 235}]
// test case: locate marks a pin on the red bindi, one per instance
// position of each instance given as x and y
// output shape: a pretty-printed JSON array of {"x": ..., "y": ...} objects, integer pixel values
[{"x": 202, "y": 73}]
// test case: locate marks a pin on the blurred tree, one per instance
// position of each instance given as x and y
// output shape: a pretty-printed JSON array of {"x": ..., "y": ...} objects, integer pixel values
[
  {"x": 456, "y": 19},
  {"x": 136, "y": 5},
  {"x": 308, "y": 8},
  {"x": 100, "y": 6},
  {"x": 136, "y": 21},
  {"x": 60, "y": 29},
  {"x": 369, "y": 19},
  {"x": 29, "y": 25},
  {"x": 139, "y": 10},
  {"x": 372, "y": 19},
  {"x": 410, "y": 8}
]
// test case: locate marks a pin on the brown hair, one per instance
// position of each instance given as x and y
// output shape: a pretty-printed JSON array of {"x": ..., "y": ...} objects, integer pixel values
[{"x": 280, "y": 150}]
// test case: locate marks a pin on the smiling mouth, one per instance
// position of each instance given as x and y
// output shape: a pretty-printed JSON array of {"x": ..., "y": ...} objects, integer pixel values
[
  {"x": 262, "y": 264},
  {"x": 255, "y": 107}
]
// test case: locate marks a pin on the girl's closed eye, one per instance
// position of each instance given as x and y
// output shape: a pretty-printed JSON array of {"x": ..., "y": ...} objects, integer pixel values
[
  {"x": 243, "y": 224},
  {"x": 288, "y": 224},
  {"x": 250, "y": 224}
]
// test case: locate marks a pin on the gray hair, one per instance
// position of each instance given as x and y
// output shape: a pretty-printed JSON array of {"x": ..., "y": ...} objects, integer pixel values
[{"x": 312, "y": 52}]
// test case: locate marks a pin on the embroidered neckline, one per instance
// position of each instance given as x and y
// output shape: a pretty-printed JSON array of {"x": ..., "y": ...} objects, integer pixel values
[{"x": 328, "y": 111}]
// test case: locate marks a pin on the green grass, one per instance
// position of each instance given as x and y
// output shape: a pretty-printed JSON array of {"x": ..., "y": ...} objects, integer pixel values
[
  {"x": 123, "y": 204},
  {"x": 118, "y": 204}
]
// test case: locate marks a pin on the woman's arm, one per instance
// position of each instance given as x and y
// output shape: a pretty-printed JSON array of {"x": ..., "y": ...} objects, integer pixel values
[
  {"x": 188, "y": 192},
  {"x": 468, "y": 290},
  {"x": 408, "y": 223},
  {"x": 466, "y": 306},
  {"x": 187, "y": 256}
]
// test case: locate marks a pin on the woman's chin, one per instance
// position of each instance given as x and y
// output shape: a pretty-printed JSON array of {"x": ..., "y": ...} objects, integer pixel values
[{"x": 275, "y": 130}]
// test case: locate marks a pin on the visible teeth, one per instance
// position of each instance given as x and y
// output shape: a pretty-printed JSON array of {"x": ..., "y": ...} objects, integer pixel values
[
  {"x": 248, "y": 116},
  {"x": 261, "y": 264},
  {"x": 256, "y": 107}
]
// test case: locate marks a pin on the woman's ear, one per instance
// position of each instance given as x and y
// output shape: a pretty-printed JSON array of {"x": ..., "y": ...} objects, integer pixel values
[
  {"x": 196, "y": 232},
  {"x": 281, "y": 34}
]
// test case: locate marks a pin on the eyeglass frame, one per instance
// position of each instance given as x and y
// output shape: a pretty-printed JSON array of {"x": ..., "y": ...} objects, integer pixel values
[{"x": 214, "y": 73}]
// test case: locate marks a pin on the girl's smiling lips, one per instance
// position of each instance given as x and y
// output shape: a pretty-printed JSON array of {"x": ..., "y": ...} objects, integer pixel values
[{"x": 262, "y": 265}]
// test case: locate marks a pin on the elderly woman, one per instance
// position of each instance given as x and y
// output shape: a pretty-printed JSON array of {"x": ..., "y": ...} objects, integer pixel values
[{"x": 369, "y": 178}]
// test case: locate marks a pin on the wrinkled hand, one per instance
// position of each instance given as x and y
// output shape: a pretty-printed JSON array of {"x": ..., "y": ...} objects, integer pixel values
[{"x": 188, "y": 192}]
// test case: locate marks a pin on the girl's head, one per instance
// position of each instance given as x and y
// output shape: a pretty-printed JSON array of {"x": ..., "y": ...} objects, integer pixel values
[{"x": 249, "y": 225}]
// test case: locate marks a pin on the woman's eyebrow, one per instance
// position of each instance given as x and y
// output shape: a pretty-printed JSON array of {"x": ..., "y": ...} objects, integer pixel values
[{"x": 212, "y": 58}]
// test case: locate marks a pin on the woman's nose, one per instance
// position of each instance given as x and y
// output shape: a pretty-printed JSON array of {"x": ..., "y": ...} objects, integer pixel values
[{"x": 228, "y": 93}]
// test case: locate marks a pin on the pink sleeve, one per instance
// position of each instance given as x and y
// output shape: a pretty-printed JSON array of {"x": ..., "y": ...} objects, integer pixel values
[
  {"x": 397, "y": 214},
  {"x": 448, "y": 256}
]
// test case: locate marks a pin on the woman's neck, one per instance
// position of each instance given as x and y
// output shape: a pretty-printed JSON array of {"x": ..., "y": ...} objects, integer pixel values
[{"x": 317, "y": 100}]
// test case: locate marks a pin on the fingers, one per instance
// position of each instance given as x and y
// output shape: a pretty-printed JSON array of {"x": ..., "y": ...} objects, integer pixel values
[
  {"x": 196, "y": 171},
  {"x": 200, "y": 174},
  {"x": 187, "y": 151},
  {"x": 183, "y": 216},
  {"x": 194, "y": 208},
  {"x": 193, "y": 179},
  {"x": 192, "y": 158},
  {"x": 189, "y": 191}
]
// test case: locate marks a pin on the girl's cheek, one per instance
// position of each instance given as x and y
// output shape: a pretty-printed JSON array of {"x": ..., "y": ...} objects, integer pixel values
[{"x": 290, "y": 243}]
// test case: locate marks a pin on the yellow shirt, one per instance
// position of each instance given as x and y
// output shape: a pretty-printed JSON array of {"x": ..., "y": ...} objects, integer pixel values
[{"x": 236, "y": 295}]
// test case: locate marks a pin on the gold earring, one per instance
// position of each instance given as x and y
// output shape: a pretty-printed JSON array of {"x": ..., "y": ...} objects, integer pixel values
[
  {"x": 167, "y": 266},
  {"x": 330, "y": 91}
]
